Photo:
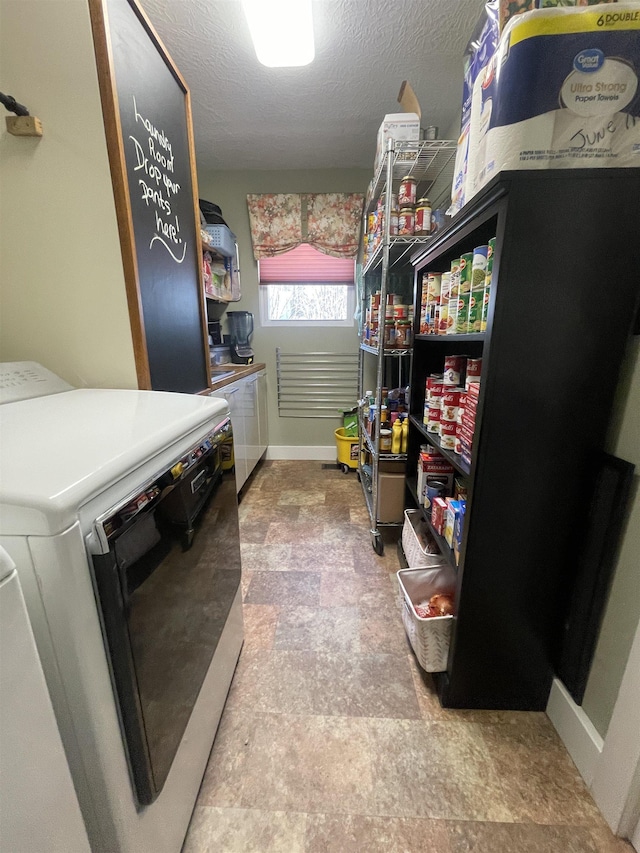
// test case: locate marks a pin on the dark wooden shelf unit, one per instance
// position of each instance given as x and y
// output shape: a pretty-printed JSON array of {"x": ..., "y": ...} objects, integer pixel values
[{"x": 551, "y": 354}]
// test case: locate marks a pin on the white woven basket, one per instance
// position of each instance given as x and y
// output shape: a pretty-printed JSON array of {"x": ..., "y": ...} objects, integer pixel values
[
  {"x": 414, "y": 530},
  {"x": 429, "y": 638}
]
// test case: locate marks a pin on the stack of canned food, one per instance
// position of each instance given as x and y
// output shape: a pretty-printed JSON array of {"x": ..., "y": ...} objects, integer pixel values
[
  {"x": 410, "y": 217},
  {"x": 396, "y": 329},
  {"x": 450, "y": 405},
  {"x": 456, "y": 302}
]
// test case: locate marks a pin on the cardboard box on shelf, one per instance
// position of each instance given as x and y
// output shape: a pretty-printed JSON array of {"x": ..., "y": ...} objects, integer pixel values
[
  {"x": 391, "y": 497},
  {"x": 403, "y": 127}
]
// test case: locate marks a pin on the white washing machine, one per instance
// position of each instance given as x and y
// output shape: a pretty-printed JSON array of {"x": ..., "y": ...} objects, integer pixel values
[
  {"x": 122, "y": 520},
  {"x": 38, "y": 805}
]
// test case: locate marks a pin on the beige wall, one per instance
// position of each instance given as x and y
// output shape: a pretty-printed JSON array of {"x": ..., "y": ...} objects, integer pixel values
[
  {"x": 63, "y": 296},
  {"x": 229, "y": 190},
  {"x": 622, "y": 613}
]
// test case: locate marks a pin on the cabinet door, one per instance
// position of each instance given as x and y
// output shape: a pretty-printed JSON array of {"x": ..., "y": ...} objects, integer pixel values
[
  {"x": 250, "y": 408},
  {"x": 263, "y": 423},
  {"x": 233, "y": 395}
]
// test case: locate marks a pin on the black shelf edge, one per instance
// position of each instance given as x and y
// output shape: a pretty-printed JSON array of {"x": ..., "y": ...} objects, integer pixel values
[
  {"x": 476, "y": 336},
  {"x": 454, "y": 458},
  {"x": 441, "y": 542}
]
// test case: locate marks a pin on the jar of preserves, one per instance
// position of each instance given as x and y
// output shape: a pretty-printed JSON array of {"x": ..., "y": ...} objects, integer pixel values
[
  {"x": 393, "y": 224},
  {"x": 389, "y": 334},
  {"x": 403, "y": 334},
  {"x": 406, "y": 222},
  {"x": 407, "y": 191},
  {"x": 423, "y": 218}
]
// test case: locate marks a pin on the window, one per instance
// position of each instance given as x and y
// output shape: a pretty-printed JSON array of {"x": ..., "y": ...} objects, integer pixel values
[{"x": 305, "y": 287}]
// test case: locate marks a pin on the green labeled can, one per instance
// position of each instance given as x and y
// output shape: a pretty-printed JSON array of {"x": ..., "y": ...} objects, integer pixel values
[
  {"x": 475, "y": 310},
  {"x": 466, "y": 267},
  {"x": 479, "y": 267},
  {"x": 462, "y": 321},
  {"x": 452, "y": 316},
  {"x": 485, "y": 309},
  {"x": 454, "y": 287}
]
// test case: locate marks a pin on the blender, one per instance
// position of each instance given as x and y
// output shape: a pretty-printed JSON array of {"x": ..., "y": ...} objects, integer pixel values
[{"x": 240, "y": 331}]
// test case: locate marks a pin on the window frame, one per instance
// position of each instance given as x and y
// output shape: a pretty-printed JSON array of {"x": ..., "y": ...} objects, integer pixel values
[{"x": 266, "y": 321}]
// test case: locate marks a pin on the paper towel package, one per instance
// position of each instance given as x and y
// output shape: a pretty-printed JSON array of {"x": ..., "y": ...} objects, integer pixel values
[{"x": 560, "y": 92}]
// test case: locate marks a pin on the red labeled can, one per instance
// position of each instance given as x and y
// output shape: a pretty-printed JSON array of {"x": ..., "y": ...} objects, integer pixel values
[
  {"x": 434, "y": 388},
  {"x": 453, "y": 366},
  {"x": 448, "y": 435},
  {"x": 473, "y": 392},
  {"x": 450, "y": 403},
  {"x": 474, "y": 370},
  {"x": 434, "y": 420}
]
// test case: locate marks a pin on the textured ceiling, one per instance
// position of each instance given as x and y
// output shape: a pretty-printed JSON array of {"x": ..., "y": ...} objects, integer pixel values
[{"x": 326, "y": 114}]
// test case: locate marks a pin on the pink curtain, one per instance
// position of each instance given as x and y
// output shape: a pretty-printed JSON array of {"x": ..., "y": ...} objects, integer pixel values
[{"x": 330, "y": 222}]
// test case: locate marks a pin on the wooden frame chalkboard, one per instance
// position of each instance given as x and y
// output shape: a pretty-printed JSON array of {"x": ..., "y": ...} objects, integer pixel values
[{"x": 147, "y": 110}]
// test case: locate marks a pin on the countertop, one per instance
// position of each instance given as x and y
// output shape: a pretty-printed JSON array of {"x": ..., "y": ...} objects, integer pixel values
[{"x": 237, "y": 371}]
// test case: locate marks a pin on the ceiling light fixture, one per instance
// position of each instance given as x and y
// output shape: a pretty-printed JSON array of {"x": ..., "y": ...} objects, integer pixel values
[{"x": 282, "y": 31}]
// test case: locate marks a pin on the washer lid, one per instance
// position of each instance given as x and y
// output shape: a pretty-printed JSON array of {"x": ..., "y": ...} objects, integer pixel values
[
  {"x": 22, "y": 380},
  {"x": 59, "y": 451},
  {"x": 6, "y": 564}
]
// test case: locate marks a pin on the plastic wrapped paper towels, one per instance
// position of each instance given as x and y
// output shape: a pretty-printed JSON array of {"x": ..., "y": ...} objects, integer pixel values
[{"x": 561, "y": 91}]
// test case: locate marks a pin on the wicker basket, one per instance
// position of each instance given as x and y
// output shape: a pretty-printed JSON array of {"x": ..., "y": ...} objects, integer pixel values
[
  {"x": 414, "y": 534},
  {"x": 430, "y": 637}
]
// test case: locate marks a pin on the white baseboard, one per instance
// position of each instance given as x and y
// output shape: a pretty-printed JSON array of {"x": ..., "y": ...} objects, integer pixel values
[
  {"x": 311, "y": 452},
  {"x": 576, "y": 730}
]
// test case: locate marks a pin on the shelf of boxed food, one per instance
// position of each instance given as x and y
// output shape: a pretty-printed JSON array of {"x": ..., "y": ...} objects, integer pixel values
[
  {"x": 456, "y": 301},
  {"x": 441, "y": 542},
  {"x": 454, "y": 458}
]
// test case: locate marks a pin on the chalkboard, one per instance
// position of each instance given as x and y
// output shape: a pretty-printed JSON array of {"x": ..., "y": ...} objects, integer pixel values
[{"x": 148, "y": 123}]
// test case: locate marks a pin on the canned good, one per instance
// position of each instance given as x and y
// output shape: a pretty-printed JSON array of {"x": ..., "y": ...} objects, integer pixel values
[
  {"x": 485, "y": 309},
  {"x": 475, "y": 311},
  {"x": 374, "y": 300},
  {"x": 434, "y": 284},
  {"x": 450, "y": 403},
  {"x": 400, "y": 311},
  {"x": 479, "y": 267},
  {"x": 455, "y": 278},
  {"x": 491, "y": 250},
  {"x": 474, "y": 370},
  {"x": 431, "y": 132},
  {"x": 423, "y": 218},
  {"x": 444, "y": 318},
  {"x": 435, "y": 387},
  {"x": 462, "y": 324},
  {"x": 466, "y": 267},
  {"x": 371, "y": 223},
  {"x": 453, "y": 365},
  {"x": 425, "y": 417},
  {"x": 452, "y": 316},
  {"x": 448, "y": 435},
  {"x": 407, "y": 191},
  {"x": 393, "y": 223},
  {"x": 406, "y": 222},
  {"x": 388, "y": 311},
  {"x": 445, "y": 286},
  {"x": 457, "y": 447},
  {"x": 434, "y": 420},
  {"x": 435, "y": 489}
]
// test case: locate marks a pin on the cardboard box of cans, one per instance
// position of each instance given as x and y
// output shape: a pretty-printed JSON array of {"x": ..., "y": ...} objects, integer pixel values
[{"x": 456, "y": 302}]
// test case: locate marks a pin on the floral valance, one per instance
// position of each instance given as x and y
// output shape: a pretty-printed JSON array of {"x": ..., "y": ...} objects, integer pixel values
[{"x": 330, "y": 222}]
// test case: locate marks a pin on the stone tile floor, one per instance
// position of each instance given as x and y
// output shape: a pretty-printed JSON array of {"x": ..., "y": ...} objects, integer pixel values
[{"x": 333, "y": 739}]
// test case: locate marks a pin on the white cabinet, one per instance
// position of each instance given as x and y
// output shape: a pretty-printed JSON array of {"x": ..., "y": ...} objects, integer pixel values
[
  {"x": 247, "y": 399},
  {"x": 263, "y": 423},
  {"x": 233, "y": 394}
]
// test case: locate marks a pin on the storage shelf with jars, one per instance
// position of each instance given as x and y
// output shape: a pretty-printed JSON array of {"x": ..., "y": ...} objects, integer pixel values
[{"x": 398, "y": 217}]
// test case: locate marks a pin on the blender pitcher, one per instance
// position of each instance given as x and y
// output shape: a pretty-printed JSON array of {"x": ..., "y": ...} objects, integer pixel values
[{"x": 240, "y": 330}]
